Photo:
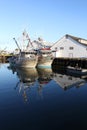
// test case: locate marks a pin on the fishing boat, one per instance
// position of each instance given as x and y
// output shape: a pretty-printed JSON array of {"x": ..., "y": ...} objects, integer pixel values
[
  {"x": 27, "y": 57},
  {"x": 45, "y": 58}
]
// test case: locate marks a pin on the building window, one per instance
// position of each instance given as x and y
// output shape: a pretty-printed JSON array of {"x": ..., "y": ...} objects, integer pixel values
[
  {"x": 71, "y": 48},
  {"x": 61, "y": 48}
]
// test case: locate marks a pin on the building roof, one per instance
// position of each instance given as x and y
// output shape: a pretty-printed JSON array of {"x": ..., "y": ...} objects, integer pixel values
[{"x": 78, "y": 39}]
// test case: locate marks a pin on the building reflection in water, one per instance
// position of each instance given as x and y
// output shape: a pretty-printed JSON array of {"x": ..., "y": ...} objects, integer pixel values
[{"x": 68, "y": 80}]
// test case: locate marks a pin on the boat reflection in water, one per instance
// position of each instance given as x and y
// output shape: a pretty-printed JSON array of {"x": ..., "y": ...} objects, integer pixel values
[
  {"x": 12, "y": 68},
  {"x": 68, "y": 80},
  {"x": 27, "y": 75},
  {"x": 30, "y": 79},
  {"x": 27, "y": 79},
  {"x": 45, "y": 75},
  {"x": 36, "y": 81}
]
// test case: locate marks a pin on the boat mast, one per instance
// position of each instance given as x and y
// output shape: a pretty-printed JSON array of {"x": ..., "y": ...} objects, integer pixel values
[
  {"x": 26, "y": 37},
  {"x": 29, "y": 41}
]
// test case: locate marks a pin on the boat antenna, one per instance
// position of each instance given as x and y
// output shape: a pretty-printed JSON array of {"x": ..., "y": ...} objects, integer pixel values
[{"x": 17, "y": 44}]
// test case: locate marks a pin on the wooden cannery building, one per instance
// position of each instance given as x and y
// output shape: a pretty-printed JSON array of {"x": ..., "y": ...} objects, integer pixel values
[{"x": 71, "y": 50}]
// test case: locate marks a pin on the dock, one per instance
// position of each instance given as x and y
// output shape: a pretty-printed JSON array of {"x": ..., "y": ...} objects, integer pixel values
[
  {"x": 73, "y": 62},
  {"x": 4, "y": 57}
]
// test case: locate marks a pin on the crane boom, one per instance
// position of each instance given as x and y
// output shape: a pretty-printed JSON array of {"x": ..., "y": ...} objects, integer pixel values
[{"x": 17, "y": 44}]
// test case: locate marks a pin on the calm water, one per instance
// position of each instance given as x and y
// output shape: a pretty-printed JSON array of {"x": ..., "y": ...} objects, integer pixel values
[{"x": 41, "y": 99}]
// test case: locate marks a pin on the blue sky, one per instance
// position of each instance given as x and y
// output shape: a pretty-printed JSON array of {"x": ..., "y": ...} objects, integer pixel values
[{"x": 50, "y": 19}]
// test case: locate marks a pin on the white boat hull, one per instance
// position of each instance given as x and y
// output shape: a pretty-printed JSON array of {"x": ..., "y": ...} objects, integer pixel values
[
  {"x": 31, "y": 63},
  {"x": 44, "y": 62}
]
